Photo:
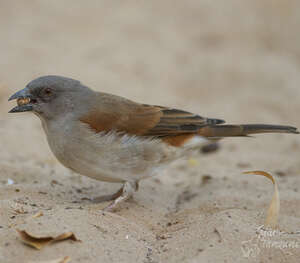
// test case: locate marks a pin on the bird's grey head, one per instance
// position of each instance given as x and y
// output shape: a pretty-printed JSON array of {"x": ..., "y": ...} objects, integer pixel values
[{"x": 50, "y": 96}]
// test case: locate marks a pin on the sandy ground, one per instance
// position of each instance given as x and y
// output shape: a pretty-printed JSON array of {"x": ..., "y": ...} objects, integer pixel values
[{"x": 236, "y": 60}]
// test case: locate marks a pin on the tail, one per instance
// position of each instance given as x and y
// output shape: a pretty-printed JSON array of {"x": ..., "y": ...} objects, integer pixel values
[{"x": 219, "y": 131}]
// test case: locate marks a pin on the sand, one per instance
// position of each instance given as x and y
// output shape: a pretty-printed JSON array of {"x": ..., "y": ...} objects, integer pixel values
[{"x": 235, "y": 60}]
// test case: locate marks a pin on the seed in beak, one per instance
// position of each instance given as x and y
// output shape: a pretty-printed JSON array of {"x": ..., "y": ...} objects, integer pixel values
[{"x": 23, "y": 101}]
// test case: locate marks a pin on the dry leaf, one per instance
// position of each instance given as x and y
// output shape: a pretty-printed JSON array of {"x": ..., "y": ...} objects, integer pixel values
[
  {"x": 40, "y": 242},
  {"x": 59, "y": 260},
  {"x": 65, "y": 236},
  {"x": 273, "y": 211}
]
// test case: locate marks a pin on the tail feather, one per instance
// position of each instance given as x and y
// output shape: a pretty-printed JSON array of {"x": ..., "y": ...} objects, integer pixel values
[{"x": 219, "y": 131}]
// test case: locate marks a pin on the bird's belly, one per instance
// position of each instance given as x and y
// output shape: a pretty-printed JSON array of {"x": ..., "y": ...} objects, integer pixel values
[
  {"x": 111, "y": 157},
  {"x": 83, "y": 159}
]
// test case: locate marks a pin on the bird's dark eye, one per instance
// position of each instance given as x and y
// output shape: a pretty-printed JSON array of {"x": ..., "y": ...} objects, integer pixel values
[{"x": 48, "y": 91}]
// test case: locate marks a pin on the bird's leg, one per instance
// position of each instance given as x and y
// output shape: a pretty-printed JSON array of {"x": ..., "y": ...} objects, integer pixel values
[
  {"x": 104, "y": 198},
  {"x": 127, "y": 191}
]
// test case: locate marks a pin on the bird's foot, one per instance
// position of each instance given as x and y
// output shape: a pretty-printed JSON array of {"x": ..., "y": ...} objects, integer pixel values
[
  {"x": 104, "y": 198},
  {"x": 125, "y": 193}
]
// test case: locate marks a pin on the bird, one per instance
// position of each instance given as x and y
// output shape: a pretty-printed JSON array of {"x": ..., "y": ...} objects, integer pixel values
[{"x": 113, "y": 139}]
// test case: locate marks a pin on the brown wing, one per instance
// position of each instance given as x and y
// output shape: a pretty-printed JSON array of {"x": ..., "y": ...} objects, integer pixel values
[
  {"x": 178, "y": 122},
  {"x": 115, "y": 113}
]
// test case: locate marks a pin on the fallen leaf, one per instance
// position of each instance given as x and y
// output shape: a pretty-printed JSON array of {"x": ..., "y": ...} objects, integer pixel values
[
  {"x": 40, "y": 242},
  {"x": 273, "y": 211},
  {"x": 65, "y": 236}
]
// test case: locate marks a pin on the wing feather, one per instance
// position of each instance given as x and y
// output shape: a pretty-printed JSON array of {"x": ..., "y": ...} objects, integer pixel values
[{"x": 116, "y": 113}]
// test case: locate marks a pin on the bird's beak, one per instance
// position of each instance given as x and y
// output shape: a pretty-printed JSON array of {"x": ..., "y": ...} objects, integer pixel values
[{"x": 24, "y": 100}]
